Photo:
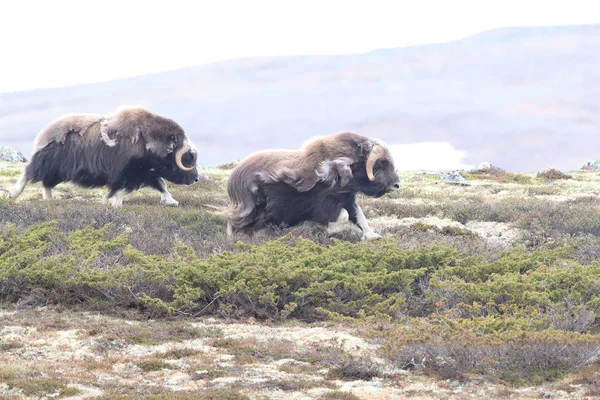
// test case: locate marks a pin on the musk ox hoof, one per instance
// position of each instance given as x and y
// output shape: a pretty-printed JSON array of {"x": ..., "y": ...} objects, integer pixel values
[
  {"x": 370, "y": 236},
  {"x": 170, "y": 202},
  {"x": 13, "y": 192}
]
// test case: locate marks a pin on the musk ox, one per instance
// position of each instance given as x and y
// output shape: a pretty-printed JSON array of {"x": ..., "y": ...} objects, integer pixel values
[
  {"x": 318, "y": 183},
  {"x": 127, "y": 150}
]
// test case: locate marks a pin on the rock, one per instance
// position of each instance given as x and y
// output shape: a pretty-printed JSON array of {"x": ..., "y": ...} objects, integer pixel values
[
  {"x": 453, "y": 176},
  {"x": 592, "y": 166},
  {"x": 12, "y": 155}
]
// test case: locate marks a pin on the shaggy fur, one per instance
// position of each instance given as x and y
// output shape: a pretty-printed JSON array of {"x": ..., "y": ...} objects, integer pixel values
[
  {"x": 325, "y": 159},
  {"x": 124, "y": 151},
  {"x": 283, "y": 187}
]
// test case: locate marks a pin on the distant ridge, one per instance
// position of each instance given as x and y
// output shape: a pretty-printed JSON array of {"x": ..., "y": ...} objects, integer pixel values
[{"x": 520, "y": 98}]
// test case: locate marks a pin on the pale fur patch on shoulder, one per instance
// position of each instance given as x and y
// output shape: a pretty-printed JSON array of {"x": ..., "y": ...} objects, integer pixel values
[
  {"x": 338, "y": 168},
  {"x": 58, "y": 130},
  {"x": 104, "y": 134},
  {"x": 124, "y": 119}
]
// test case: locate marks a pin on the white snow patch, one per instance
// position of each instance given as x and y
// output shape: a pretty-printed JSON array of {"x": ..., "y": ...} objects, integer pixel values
[{"x": 428, "y": 156}]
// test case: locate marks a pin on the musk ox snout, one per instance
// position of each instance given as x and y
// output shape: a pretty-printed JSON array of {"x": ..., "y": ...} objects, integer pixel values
[
  {"x": 392, "y": 179},
  {"x": 183, "y": 166},
  {"x": 395, "y": 182}
]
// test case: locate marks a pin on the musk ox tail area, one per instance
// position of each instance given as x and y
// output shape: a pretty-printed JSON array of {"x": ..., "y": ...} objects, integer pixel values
[
  {"x": 43, "y": 167},
  {"x": 245, "y": 197},
  {"x": 15, "y": 190}
]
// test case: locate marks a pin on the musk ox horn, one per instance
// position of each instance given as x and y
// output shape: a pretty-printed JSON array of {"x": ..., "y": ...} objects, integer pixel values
[
  {"x": 180, "y": 154},
  {"x": 376, "y": 153}
]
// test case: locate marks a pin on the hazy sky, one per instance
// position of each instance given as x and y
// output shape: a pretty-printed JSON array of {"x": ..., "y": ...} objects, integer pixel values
[{"x": 52, "y": 43}]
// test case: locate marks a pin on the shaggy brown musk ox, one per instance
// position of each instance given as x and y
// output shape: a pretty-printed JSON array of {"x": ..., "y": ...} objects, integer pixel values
[
  {"x": 126, "y": 150},
  {"x": 319, "y": 183}
]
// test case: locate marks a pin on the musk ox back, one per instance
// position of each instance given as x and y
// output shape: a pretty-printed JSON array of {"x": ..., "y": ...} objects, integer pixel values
[
  {"x": 124, "y": 151},
  {"x": 318, "y": 183}
]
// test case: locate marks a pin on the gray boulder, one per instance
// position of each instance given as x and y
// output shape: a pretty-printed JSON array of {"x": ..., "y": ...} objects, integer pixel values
[
  {"x": 453, "y": 176},
  {"x": 12, "y": 155}
]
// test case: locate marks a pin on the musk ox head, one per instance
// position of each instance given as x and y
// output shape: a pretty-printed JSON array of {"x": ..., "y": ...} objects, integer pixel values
[{"x": 375, "y": 175}]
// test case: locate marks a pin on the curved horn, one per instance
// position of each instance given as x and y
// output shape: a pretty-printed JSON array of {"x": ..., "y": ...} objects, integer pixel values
[
  {"x": 377, "y": 152},
  {"x": 180, "y": 154}
]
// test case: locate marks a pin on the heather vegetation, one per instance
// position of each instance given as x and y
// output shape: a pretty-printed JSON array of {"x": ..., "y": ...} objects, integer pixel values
[{"x": 498, "y": 280}]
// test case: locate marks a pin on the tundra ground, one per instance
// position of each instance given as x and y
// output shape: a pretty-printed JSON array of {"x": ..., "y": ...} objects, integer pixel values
[{"x": 487, "y": 288}]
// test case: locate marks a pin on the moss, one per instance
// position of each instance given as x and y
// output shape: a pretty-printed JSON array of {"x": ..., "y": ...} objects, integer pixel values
[
  {"x": 295, "y": 385},
  {"x": 10, "y": 173},
  {"x": 175, "y": 354},
  {"x": 153, "y": 365},
  {"x": 10, "y": 345},
  {"x": 452, "y": 351},
  {"x": 210, "y": 394},
  {"x": 40, "y": 387},
  {"x": 339, "y": 395}
]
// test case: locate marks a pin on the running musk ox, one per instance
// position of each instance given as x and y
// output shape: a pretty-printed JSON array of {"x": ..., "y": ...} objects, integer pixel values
[
  {"x": 124, "y": 151},
  {"x": 318, "y": 183}
]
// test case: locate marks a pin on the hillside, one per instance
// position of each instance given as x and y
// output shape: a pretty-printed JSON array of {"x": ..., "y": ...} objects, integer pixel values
[{"x": 522, "y": 98}]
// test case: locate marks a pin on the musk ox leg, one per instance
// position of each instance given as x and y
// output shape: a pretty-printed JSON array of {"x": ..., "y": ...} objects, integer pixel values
[
  {"x": 116, "y": 198},
  {"x": 340, "y": 224},
  {"x": 361, "y": 221},
  {"x": 165, "y": 197},
  {"x": 46, "y": 193},
  {"x": 15, "y": 190}
]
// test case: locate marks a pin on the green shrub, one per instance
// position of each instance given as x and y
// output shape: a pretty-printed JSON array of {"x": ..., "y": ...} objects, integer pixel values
[
  {"x": 552, "y": 174},
  {"x": 294, "y": 277},
  {"x": 153, "y": 365},
  {"x": 339, "y": 395},
  {"x": 465, "y": 312}
]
